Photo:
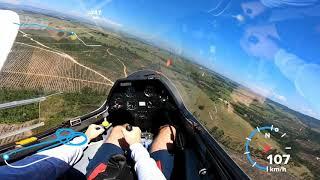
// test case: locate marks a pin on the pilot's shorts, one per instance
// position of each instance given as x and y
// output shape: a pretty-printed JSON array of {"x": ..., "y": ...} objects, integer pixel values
[{"x": 163, "y": 158}]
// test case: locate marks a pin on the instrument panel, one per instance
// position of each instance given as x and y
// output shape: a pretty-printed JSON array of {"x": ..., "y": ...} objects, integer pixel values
[{"x": 139, "y": 102}]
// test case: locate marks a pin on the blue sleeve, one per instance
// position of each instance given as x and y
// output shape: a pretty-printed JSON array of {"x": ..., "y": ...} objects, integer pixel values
[{"x": 50, "y": 168}]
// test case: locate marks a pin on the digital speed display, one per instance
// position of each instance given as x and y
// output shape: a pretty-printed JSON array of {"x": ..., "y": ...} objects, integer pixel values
[{"x": 276, "y": 162}]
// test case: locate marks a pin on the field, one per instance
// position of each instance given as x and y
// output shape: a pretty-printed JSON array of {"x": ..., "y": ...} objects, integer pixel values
[
  {"x": 82, "y": 67},
  {"x": 33, "y": 67}
]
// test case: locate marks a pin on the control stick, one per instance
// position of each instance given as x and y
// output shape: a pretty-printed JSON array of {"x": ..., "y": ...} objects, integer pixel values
[{"x": 129, "y": 127}]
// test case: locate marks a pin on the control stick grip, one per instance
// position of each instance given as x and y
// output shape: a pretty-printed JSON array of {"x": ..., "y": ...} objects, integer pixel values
[{"x": 129, "y": 127}]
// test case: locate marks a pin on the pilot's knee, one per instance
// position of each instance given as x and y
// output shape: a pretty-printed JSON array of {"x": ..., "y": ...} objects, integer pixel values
[
  {"x": 164, "y": 139},
  {"x": 116, "y": 129},
  {"x": 167, "y": 132},
  {"x": 115, "y": 136}
]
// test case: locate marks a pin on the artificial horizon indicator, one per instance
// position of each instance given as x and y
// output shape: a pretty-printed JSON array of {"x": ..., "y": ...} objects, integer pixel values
[{"x": 276, "y": 162}]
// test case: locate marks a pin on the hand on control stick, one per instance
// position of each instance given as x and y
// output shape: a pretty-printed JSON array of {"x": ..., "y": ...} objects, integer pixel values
[
  {"x": 94, "y": 131},
  {"x": 133, "y": 136}
]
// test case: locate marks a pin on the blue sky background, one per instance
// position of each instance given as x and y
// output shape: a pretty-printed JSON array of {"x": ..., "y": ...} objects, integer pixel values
[{"x": 212, "y": 35}]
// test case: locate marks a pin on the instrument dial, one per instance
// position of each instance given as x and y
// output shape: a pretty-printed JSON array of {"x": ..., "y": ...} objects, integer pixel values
[
  {"x": 276, "y": 160},
  {"x": 149, "y": 104},
  {"x": 131, "y": 105},
  {"x": 163, "y": 98},
  {"x": 117, "y": 103},
  {"x": 130, "y": 91},
  {"x": 149, "y": 91}
]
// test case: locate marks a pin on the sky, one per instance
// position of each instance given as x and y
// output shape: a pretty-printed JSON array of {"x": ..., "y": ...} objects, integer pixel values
[{"x": 269, "y": 46}]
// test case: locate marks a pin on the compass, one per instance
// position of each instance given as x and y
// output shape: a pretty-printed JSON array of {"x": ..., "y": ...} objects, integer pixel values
[{"x": 276, "y": 162}]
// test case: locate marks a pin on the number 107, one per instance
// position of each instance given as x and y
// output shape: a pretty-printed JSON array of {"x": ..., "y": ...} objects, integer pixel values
[{"x": 277, "y": 159}]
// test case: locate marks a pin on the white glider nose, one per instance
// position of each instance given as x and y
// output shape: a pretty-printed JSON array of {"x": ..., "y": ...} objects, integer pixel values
[{"x": 9, "y": 29}]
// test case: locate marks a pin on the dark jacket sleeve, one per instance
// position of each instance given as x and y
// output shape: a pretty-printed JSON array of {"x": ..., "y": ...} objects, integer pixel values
[{"x": 50, "y": 168}]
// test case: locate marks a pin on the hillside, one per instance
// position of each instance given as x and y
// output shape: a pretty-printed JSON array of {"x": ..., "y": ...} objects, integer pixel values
[
  {"x": 231, "y": 106},
  {"x": 307, "y": 120}
]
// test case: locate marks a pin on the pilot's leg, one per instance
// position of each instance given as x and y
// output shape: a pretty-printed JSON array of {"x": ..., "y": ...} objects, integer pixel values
[
  {"x": 161, "y": 147},
  {"x": 110, "y": 147}
]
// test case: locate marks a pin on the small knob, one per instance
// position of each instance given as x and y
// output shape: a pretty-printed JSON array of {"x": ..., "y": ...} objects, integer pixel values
[{"x": 129, "y": 128}]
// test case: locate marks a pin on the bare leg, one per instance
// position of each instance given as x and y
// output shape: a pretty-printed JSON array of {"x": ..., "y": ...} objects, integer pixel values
[
  {"x": 160, "y": 148},
  {"x": 116, "y": 137},
  {"x": 164, "y": 140}
]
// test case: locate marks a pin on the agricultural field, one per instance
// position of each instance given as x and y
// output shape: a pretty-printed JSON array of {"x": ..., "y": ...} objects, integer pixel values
[
  {"x": 32, "y": 67},
  {"x": 77, "y": 65}
]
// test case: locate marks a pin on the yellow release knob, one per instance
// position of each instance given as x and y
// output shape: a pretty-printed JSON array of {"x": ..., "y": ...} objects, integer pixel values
[
  {"x": 105, "y": 124},
  {"x": 73, "y": 37}
]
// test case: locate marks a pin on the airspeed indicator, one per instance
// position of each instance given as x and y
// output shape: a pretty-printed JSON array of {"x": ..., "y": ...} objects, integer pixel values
[{"x": 276, "y": 162}]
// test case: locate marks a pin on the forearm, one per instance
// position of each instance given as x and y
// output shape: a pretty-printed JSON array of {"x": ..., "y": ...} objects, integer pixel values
[
  {"x": 145, "y": 167},
  {"x": 29, "y": 168},
  {"x": 51, "y": 163},
  {"x": 67, "y": 153}
]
